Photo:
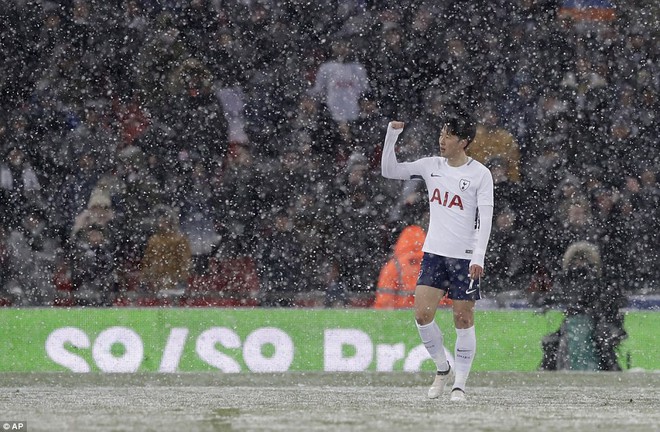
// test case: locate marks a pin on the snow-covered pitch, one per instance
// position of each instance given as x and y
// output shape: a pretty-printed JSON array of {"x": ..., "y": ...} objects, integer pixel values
[{"x": 507, "y": 401}]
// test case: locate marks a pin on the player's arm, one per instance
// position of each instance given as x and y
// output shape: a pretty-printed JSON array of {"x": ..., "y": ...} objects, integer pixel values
[
  {"x": 320, "y": 82},
  {"x": 390, "y": 167},
  {"x": 485, "y": 204},
  {"x": 483, "y": 235}
]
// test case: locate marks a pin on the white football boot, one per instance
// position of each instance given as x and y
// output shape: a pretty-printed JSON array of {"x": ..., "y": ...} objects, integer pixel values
[
  {"x": 457, "y": 395},
  {"x": 441, "y": 380}
]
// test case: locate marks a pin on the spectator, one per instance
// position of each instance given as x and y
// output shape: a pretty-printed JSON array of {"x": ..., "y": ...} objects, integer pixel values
[
  {"x": 335, "y": 291},
  {"x": 19, "y": 186},
  {"x": 167, "y": 259},
  {"x": 6, "y": 297},
  {"x": 507, "y": 192},
  {"x": 593, "y": 326},
  {"x": 356, "y": 230},
  {"x": 340, "y": 83},
  {"x": 649, "y": 207},
  {"x": 280, "y": 263},
  {"x": 493, "y": 140},
  {"x": 390, "y": 75},
  {"x": 196, "y": 21},
  {"x": 223, "y": 55},
  {"x": 612, "y": 237},
  {"x": 398, "y": 277},
  {"x": 162, "y": 52},
  {"x": 94, "y": 136},
  {"x": 31, "y": 257},
  {"x": 423, "y": 50},
  {"x": 539, "y": 202},
  {"x": 99, "y": 212},
  {"x": 77, "y": 187},
  {"x": 506, "y": 268},
  {"x": 573, "y": 222},
  {"x": 307, "y": 123},
  {"x": 434, "y": 107},
  {"x": 640, "y": 225},
  {"x": 519, "y": 110},
  {"x": 137, "y": 193},
  {"x": 309, "y": 186},
  {"x": 133, "y": 118},
  {"x": 458, "y": 76},
  {"x": 93, "y": 273},
  {"x": 85, "y": 112},
  {"x": 237, "y": 194},
  {"x": 197, "y": 219},
  {"x": 410, "y": 205},
  {"x": 366, "y": 130},
  {"x": 197, "y": 120}
]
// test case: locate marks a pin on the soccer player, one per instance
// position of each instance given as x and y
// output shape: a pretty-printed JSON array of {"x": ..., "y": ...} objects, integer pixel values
[{"x": 460, "y": 191}]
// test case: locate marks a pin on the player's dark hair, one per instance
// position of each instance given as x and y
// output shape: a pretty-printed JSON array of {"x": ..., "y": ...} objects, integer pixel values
[{"x": 461, "y": 124}]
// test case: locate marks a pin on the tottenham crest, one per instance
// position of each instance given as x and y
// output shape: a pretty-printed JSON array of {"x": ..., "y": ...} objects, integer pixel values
[{"x": 464, "y": 184}]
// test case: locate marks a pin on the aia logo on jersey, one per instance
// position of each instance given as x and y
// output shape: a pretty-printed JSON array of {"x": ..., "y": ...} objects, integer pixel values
[
  {"x": 445, "y": 200},
  {"x": 464, "y": 184}
]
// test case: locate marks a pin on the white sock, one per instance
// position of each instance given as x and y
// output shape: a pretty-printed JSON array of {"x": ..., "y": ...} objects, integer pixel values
[
  {"x": 466, "y": 346},
  {"x": 433, "y": 341}
]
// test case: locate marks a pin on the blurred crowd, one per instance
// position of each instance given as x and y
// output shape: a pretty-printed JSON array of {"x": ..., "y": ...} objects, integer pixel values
[{"x": 212, "y": 152}]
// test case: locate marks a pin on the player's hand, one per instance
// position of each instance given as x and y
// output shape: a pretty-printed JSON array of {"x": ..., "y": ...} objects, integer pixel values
[
  {"x": 397, "y": 124},
  {"x": 476, "y": 271}
]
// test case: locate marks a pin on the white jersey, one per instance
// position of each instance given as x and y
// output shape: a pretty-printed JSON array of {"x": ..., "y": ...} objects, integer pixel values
[
  {"x": 341, "y": 84},
  {"x": 455, "y": 195}
]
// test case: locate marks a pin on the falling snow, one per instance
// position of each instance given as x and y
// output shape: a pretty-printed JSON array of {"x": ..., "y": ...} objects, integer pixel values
[{"x": 149, "y": 147}]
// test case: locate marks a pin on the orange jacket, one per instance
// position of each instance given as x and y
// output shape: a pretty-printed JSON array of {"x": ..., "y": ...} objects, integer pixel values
[
  {"x": 489, "y": 143},
  {"x": 398, "y": 277}
]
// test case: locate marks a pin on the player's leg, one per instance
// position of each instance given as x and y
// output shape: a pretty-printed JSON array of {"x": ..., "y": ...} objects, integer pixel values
[
  {"x": 426, "y": 303},
  {"x": 428, "y": 293},
  {"x": 464, "y": 293},
  {"x": 431, "y": 287},
  {"x": 466, "y": 345}
]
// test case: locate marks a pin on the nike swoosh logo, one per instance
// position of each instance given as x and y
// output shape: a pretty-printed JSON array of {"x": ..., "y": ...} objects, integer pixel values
[
  {"x": 470, "y": 290},
  {"x": 436, "y": 175},
  {"x": 460, "y": 350}
]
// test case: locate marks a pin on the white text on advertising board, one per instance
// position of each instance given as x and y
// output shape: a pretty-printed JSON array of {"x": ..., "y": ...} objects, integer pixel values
[{"x": 344, "y": 350}]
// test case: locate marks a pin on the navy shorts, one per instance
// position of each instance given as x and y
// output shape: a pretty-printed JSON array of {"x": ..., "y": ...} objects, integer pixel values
[{"x": 450, "y": 275}]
